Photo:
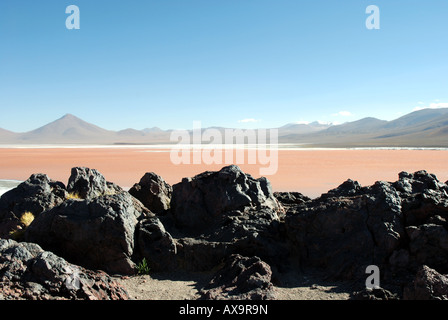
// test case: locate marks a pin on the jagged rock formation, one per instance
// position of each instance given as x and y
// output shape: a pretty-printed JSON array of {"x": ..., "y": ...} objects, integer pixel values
[
  {"x": 213, "y": 215},
  {"x": 210, "y": 198},
  {"x": 88, "y": 183},
  {"x": 241, "y": 278},
  {"x": 153, "y": 192},
  {"x": 35, "y": 195},
  {"x": 427, "y": 285},
  {"x": 393, "y": 225},
  {"x": 28, "y": 272},
  {"x": 97, "y": 233}
]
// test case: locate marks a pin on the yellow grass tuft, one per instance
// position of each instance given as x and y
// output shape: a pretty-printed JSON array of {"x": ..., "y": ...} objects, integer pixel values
[
  {"x": 27, "y": 218},
  {"x": 73, "y": 196}
]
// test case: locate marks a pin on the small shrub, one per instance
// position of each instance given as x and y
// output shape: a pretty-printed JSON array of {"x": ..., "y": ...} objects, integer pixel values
[{"x": 142, "y": 267}]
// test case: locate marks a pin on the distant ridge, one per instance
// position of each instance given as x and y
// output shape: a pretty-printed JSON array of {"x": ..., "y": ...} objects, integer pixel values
[
  {"x": 423, "y": 128},
  {"x": 69, "y": 129},
  {"x": 303, "y": 128},
  {"x": 365, "y": 125},
  {"x": 4, "y": 132}
]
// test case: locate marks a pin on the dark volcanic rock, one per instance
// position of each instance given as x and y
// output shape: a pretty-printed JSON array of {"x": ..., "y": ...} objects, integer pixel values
[
  {"x": 35, "y": 195},
  {"x": 427, "y": 285},
  {"x": 423, "y": 198},
  {"x": 421, "y": 181},
  {"x": 392, "y": 225},
  {"x": 332, "y": 235},
  {"x": 346, "y": 189},
  {"x": 89, "y": 183},
  {"x": 156, "y": 245},
  {"x": 385, "y": 220},
  {"x": 95, "y": 233},
  {"x": 28, "y": 272},
  {"x": 428, "y": 245},
  {"x": 230, "y": 212},
  {"x": 204, "y": 201},
  {"x": 423, "y": 208},
  {"x": 241, "y": 278},
  {"x": 200, "y": 254},
  {"x": 253, "y": 233},
  {"x": 291, "y": 198},
  {"x": 153, "y": 192}
]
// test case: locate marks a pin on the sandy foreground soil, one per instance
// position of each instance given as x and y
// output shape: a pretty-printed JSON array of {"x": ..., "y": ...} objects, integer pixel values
[
  {"x": 311, "y": 172},
  {"x": 187, "y": 286}
]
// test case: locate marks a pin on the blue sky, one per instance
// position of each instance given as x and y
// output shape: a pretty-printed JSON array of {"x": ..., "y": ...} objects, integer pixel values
[{"x": 233, "y": 63}]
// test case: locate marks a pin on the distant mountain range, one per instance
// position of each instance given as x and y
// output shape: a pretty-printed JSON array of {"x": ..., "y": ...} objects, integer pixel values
[
  {"x": 424, "y": 128},
  {"x": 72, "y": 130}
]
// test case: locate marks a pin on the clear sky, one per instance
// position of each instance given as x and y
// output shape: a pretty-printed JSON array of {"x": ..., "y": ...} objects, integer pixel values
[{"x": 233, "y": 63}]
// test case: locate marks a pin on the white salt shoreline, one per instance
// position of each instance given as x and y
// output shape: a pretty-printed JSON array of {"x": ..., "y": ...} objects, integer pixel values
[
  {"x": 159, "y": 147},
  {"x": 6, "y": 185}
]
